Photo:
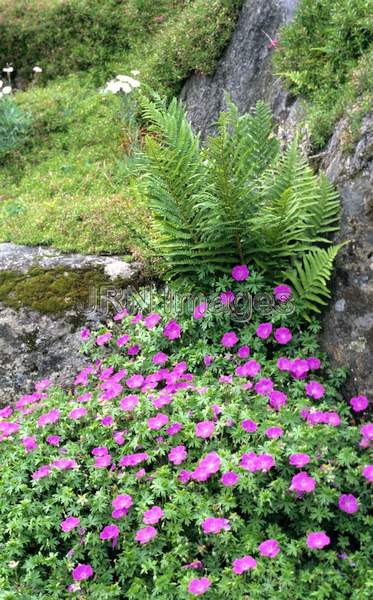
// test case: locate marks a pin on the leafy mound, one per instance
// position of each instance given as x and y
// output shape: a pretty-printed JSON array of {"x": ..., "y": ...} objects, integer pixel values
[
  {"x": 193, "y": 456},
  {"x": 325, "y": 55}
]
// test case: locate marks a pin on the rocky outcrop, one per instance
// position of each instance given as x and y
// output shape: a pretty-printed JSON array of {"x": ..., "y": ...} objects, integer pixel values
[
  {"x": 244, "y": 71},
  {"x": 348, "y": 323},
  {"x": 34, "y": 345}
]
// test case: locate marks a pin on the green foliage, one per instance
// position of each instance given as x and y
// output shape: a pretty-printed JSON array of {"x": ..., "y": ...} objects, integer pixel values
[
  {"x": 14, "y": 124},
  {"x": 238, "y": 200},
  {"x": 37, "y": 557},
  {"x": 318, "y": 53}
]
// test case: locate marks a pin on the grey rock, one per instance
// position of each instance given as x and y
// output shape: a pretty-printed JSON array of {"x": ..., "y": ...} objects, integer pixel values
[
  {"x": 244, "y": 71},
  {"x": 35, "y": 346},
  {"x": 348, "y": 322}
]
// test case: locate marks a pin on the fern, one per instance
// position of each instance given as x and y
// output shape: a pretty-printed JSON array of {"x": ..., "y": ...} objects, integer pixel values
[
  {"x": 236, "y": 200},
  {"x": 310, "y": 277}
]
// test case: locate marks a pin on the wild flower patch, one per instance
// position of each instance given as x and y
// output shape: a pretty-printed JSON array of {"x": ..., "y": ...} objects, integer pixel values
[{"x": 213, "y": 460}]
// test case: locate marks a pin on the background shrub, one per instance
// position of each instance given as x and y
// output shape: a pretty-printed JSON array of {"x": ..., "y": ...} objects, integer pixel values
[{"x": 14, "y": 123}]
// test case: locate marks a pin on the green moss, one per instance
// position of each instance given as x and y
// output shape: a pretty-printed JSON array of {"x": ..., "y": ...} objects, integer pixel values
[{"x": 52, "y": 291}]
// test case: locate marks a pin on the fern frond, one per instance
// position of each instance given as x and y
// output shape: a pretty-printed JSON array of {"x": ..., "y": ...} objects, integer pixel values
[{"x": 310, "y": 277}]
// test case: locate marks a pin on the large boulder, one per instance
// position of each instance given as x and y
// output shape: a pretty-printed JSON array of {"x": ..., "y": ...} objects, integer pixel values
[
  {"x": 348, "y": 323},
  {"x": 244, "y": 71}
]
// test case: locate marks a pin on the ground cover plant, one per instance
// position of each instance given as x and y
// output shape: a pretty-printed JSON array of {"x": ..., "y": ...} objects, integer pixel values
[
  {"x": 66, "y": 185},
  {"x": 198, "y": 454},
  {"x": 325, "y": 56}
]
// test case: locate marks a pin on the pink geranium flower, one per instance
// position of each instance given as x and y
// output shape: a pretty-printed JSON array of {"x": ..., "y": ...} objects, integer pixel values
[
  {"x": 128, "y": 403},
  {"x": 359, "y": 403},
  {"x": 215, "y": 525},
  {"x": 211, "y": 462},
  {"x": 249, "y": 426},
  {"x": 244, "y": 351},
  {"x": 299, "y": 460},
  {"x": 283, "y": 335},
  {"x": 368, "y": 473},
  {"x": 241, "y": 565},
  {"x": 123, "y": 501},
  {"x": 348, "y": 503},
  {"x": 299, "y": 367},
  {"x": 48, "y": 418},
  {"x": 277, "y": 399},
  {"x": 110, "y": 532},
  {"x": 177, "y": 455},
  {"x": 229, "y": 339},
  {"x": 269, "y": 548},
  {"x": 240, "y": 273},
  {"x": 104, "y": 338},
  {"x": 122, "y": 340},
  {"x": 153, "y": 515},
  {"x": 367, "y": 431},
  {"x": 53, "y": 440},
  {"x": 229, "y": 479},
  {"x": 197, "y": 587},
  {"x": 173, "y": 429},
  {"x": 152, "y": 320},
  {"x": 157, "y": 422},
  {"x": 282, "y": 292},
  {"x": 85, "y": 334},
  {"x": 69, "y": 524},
  {"x": 200, "y": 310},
  {"x": 135, "y": 381},
  {"x": 302, "y": 483},
  {"x": 264, "y": 387},
  {"x": 315, "y": 390},
  {"x": 160, "y": 358},
  {"x": 77, "y": 413},
  {"x": 145, "y": 535},
  {"x": 227, "y": 297},
  {"x": 172, "y": 330},
  {"x": 317, "y": 540},
  {"x": 82, "y": 572},
  {"x": 43, "y": 471},
  {"x": 274, "y": 432},
  {"x": 204, "y": 429},
  {"x": 29, "y": 443},
  {"x": 264, "y": 330}
]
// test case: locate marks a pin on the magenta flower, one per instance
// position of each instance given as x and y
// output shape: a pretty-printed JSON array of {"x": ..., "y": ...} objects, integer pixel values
[
  {"x": 107, "y": 421},
  {"x": 132, "y": 460},
  {"x": 264, "y": 387},
  {"x": 359, "y": 403},
  {"x": 215, "y": 525},
  {"x": 299, "y": 460},
  {"x": 274, "y": 432},
  {"x": 249, "y": 426},
  {"x": 177, "y": 455},
  {"x": 277, "y": 399},
  {"x": 84, "y": 334},
  {"x": 173, "y": 429},
  {"x": 317, "y": 540},
  {"x": 64, "y": 464},
  {"x": 313, "y": 363},
  {"x": 184, "y": 476},
  {"x": 197, "y": 587},
  {"x": 240, "y": 273},
  {"x": 282, "y": 292},
  {"x": 135, "y": 381},
  {"x": 265, "y": 462},
  {"x": 172, "y": 330},
  {"x": 299, "y": 368},
  {"x": 129, "y": 402},
  {"x": 122, "y": 340},
  {"x": 248, "y": 369},
  {"x": 145, "y": 535},
  {"x": 241, "y": 565},
  {"x": 6, "y": 412},
  {"x": 229, "y": 339},
  {"x": 367, "y": 431},
  {"x": 160, "y": 358},
  {"x": 196, "y": 564},
  {"x": 48, "y": 418},
  {"x": 122, "y": 502},
  {"x": 204, "y": 429},
  {"x": 152, "y": 320},
  {"x": 264, "y": 330},
  {"x": 211, "y": 462},
  {"x": 133, "y": 350},
  {"x": 69, "y": 524},
  {"x": 207, "y": 360},
  {"x": 82, "y": 572},
  {"x": 315, "y": 390},
  {"x": 348, "y": 503},
  {"x": 284, "y": 364},
  {"x": 119, "y": 437},
  {"x": 77, "y": 413},
  {"x": 84, "y": 397},
  {"x": 153, "y": 515},
  {"x": 368, "y": 473},
  {"x": 283, "y": 335},
  {"x": 227, "y": 297},
  {"x": 157, "y": 422},
  {"x": 53, "y": 440},
  {"x": 229, "y": 478},
  {"x": 43, "y": 471},
  {"x": 249, "y": 462},
  {"x": 42, "y": 385},
  {"x": 269, "y": 548},
  {"x": 110, "y": 532},
  {"x": 302, "y": 483},
  {"x": 121, "y": 314},
  {"x": 244, "y": 351},
  {"x": 104, "y": 338},
  {"x": 200, "y": 310},
  {"x": 29, "y": 443}
]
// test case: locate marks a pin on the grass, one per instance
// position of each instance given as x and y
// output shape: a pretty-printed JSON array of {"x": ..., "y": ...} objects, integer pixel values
[
  {"x": 326, "y": 56},
  {"x": 66, "y": 185}
]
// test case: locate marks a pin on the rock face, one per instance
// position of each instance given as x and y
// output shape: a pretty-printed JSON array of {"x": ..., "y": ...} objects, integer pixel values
[
  {"x": 348, "y": 323},
  {"x": 35, "y": 346},
  {"x": 245, "y": 68}
]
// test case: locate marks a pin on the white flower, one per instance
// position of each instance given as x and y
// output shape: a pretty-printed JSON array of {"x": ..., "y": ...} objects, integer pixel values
[
  {"x": 1, "y": 84},
  {"x": 8, "y": 69},
  {"x": 132, "y": 82},
  {"x": 37, "y": 69},
  {"x": 113, "y": 86},
  {"x": 7, "y": 89},
  {"x": 135, "y": 73}
]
